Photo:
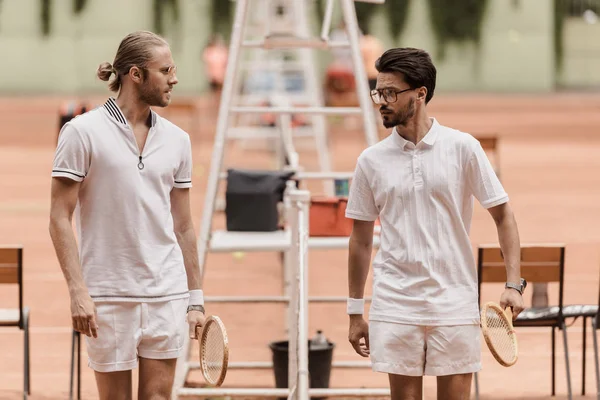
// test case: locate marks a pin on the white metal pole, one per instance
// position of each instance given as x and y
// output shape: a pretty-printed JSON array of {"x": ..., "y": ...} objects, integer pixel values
[
  {"x": 287, "y": 141},
  {"x": 270, "y": 392},
  {"x": 360, "y": 74},
  {"x": 293, "y": 310},
  {"x": 222, "y": 125},
  {"x": 326, "y": 27},
  {"x": 314, "y": 88},
  {"x": 297, "y": 110},
  {"x": 256, "y": 365},
  {"x": 301, "y": 200}
]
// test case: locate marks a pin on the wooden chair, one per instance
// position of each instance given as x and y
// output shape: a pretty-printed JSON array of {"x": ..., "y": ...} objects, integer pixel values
[
  {"x": 595, "y": 325},
  {"x": 489, "y": 143},
  {"x": 11, "y": 273},
  {"x": 186, "y": 106},
  {"x": 585, "y": 311},
  {"x": 540, "y": 263}
]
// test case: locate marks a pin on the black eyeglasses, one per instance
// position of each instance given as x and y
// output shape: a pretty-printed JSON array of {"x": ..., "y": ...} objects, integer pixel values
[{"x": 389, "y": 95}]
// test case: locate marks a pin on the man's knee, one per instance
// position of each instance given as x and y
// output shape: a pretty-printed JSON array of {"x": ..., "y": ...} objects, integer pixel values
[
  {"x": 158, "y": 396},
  {"x": 155, "y": 392},
  {"x": 156, "y": 379}
]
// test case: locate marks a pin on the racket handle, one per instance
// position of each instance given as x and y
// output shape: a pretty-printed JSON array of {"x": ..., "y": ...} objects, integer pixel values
[{"x": 509, "y": 314}]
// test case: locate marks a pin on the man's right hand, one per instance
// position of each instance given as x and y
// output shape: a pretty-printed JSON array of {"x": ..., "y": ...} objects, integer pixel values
[
  {"x": 83, "y": 314},
  {"x": 359, "y": 330}
]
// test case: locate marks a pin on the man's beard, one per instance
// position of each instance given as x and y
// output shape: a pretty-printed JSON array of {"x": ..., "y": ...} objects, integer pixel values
[
  {"x": 152, "y": 96},
  {"x": 401, "y": 117}
]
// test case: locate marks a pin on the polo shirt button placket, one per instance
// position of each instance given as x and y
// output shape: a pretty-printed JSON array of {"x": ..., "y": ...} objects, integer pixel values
[{"x": 418, "y": 177}]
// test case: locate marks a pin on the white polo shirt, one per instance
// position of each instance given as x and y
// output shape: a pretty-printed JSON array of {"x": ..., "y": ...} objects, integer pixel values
[
  {"x": 424, "y": 272},
  {"x": 128, "y": 249}
]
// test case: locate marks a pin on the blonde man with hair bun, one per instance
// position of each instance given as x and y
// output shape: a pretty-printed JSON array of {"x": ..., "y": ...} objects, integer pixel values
[{"x": 133, "y": 275}]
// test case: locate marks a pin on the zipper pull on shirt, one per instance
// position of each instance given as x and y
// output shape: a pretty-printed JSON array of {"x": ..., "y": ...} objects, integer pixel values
[{"x": 140, "y": 164}]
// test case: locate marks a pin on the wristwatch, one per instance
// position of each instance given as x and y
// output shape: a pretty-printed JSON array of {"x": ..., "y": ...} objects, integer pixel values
[
  {"x": 196, "y": 308},
  {"x": 518, "y": 287}
]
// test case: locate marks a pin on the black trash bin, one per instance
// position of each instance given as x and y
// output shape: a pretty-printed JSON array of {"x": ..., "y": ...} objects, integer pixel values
[{"x": 319, "y": 365}]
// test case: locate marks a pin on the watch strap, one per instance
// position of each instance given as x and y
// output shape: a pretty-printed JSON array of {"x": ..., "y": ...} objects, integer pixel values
[
  {"x": 196, "y": 308},
  {"x": 517, "y": 287}
]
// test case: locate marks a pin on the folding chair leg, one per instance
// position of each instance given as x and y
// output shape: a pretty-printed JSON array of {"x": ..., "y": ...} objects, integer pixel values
[
  {"x": 583, "y": 346},
  {"x": 553, "y": 361},
  {"x": 73, "y": 338},
  {"x": 75, "y": 355},
  {"x": 476, "y": 380},
  {"x": 594, "y": 322},
  {"x": 566, "y": 345},
  {"x": 78, "y": 366},
  {"x": 27, "y": 358}
]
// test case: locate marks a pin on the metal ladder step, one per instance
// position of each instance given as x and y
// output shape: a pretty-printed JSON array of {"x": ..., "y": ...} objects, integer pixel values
[{"x": 296, "y": 110}]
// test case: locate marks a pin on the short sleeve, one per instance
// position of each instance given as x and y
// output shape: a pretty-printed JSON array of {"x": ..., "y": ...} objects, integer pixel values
[
  {"x": 361, "y": 203},
  {"x": 183, "y": 175},
  {"x": 72, "y": 156},
  {"x": 483, "y": 181}
]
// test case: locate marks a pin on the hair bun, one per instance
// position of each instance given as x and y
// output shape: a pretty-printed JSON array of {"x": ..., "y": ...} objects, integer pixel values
[{"x": 104, "y": 71}]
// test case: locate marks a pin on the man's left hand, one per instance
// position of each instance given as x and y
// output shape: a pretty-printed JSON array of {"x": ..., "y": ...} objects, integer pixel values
[
  {"x": 195, "y": 320},
  {"x": 512, "y": 298}
]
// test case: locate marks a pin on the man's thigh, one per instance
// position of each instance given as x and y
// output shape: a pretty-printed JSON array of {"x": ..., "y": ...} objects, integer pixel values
[
  {"x": 114, "y": 385},
  {"x": 406, "y": 387},
  {"x": 454, "y": 387},
  {"x": 156, "y": 378},
  {"x": 397, "y": 349},
  {"x": 119, "y": 332},
  {"x": 453, "y": 350},
  {"x": 163, "y": 328},
  {"x": 164, "y": 324}
]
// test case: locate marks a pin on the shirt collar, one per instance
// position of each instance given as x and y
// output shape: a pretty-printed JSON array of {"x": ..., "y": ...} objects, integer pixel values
[
  {"x": 428, "y": 139},
  {"x": 115, "y": 112}
]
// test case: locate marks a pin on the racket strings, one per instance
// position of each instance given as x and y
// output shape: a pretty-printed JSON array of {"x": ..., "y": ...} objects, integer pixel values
[
  {"x": 501, "y": 335},
  {"x": 213, "y": 353}
]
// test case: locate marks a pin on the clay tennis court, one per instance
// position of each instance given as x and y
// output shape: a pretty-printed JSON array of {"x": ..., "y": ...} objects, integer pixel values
[{"x": 550, "y": 166}]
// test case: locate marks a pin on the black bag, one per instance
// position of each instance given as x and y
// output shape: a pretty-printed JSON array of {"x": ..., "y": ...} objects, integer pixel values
[{"x": 251, "y": 199}]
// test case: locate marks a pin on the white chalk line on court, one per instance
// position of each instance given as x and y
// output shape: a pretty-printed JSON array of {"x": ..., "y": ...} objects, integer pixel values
[
  {"x": 16, "y": 206},
  {"x": 40, "y": 329}
]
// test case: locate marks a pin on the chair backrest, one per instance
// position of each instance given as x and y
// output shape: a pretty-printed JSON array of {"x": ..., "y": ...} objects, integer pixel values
[
  {"x": 11, "y": 271},
  {"x": 540, "y": 263},
  {"x": 488, "y": 142}
]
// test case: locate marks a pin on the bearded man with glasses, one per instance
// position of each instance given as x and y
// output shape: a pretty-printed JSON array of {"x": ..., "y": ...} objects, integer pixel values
[{"x": 421, "y": 182}]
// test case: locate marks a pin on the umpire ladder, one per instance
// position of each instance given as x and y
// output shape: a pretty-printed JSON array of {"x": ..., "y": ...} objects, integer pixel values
[
  {"x": 223, "y": 241},
  {"x": 258, "y": 64},
  {"x": 277, "y": 18}
]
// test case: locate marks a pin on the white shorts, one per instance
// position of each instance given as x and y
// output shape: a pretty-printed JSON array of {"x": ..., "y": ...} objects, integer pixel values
[
  {"x": 127, "y": 331},
  {"x": 415, "y": 350}
]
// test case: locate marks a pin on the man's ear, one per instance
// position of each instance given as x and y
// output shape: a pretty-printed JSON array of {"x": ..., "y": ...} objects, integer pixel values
[
  {"x": 135, "y": 74},
  {"x": 422, "y": 93}
]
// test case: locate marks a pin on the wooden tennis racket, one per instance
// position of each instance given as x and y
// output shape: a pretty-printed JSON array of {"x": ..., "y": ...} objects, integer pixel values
[
  {"x": 214, "y": 351},
  {"x": 499, "y": 333}
]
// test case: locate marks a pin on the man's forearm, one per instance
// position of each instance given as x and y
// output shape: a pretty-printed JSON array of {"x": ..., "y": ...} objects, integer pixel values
[
  {"x": 65, "y": 247},
  {"x": 359, "y": 260},
  {"x": 187, "y": 242},
  {"x": 508, "y": 236}
]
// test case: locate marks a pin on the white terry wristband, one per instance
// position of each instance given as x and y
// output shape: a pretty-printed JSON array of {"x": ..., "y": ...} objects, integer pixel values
[
  {"x": 355, "y": 306},
  {"x": 196, "y": 298}
]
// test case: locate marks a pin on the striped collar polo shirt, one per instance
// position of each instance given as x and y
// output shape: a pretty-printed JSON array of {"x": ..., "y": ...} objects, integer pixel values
[{"x": 128, "y": 249}]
